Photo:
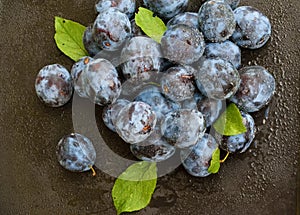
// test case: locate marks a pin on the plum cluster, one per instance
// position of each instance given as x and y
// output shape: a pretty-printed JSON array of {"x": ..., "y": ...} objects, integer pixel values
[{"x": 179, "y": 86}]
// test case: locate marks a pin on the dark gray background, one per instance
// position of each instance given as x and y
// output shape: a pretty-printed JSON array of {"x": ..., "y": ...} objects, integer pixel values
[{"x": 260, "y": 181}]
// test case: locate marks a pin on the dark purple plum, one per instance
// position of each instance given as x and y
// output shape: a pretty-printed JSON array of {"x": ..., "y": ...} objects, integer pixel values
[
  {"x": 110, "y": 113},
  {"x": 135, "y": 122},
  {"x": 53, "y": 85},
  {"x": 226, "y": 50},
  {"x": 256, "y": 89},
  {"x": 178, "y": 83},
  {"x": 111, "y": 28},
  {"x": 216, "y": 20},
  {"x": 217, "y": 78},
  {"x": 166, "y": 8},
  {"x": 253, "y": 28},
  {"x": 182, "y": 44},
  {"x": 183, "y": 127},
  {"x": 196, "y": 159},
  {"x": 125, "y": 6},
  {"x": 76, "y": 153}
]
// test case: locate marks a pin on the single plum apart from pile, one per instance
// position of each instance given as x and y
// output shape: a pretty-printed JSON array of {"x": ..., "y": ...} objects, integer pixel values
[
  {"x": 76, "y": 153},
  {"x": 53, "y": 85}
]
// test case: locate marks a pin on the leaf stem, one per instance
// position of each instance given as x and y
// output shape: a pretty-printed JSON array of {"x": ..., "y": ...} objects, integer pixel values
[
  {"x": 93, "y": 170},
  {"x": 222, "y": 161}
]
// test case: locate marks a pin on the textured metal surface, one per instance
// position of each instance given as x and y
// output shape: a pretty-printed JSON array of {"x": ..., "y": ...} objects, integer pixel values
[{"x": 260, "y": 181}]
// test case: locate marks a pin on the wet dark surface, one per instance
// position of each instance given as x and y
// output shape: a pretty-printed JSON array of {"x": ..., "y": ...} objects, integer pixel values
[{"x": 261, "y": 181}]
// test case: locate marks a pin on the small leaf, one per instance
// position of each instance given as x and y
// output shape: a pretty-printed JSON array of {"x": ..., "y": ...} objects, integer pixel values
[
  {"x": 215, "y": 162},
  {"x": 230, "y": 122},
  {"x": 68, "y": 38},
  {"x": 133, "y": 189},
  {"x": 152, "y": 26}
]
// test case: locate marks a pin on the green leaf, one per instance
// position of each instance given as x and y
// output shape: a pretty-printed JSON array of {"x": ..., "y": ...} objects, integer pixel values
[
  {"x": 133, "y": 189},
  {"x": 215, "y": 162},
  {"x": 68, "y": 38},
  {"x": 152, "y": 26},
  {"x": 230, "y": 122}
]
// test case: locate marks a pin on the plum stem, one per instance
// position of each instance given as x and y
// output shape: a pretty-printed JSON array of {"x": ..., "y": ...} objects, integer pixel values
[
  {"x": 94, "y": 172},
  {"x": 222, "y": 161}
]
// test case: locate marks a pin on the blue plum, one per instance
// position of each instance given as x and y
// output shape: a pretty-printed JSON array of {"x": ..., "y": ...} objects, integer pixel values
[
  {"x": 216, "y": 20},
  {"x": 256, "y": 89},
  {"x": 111, "y": 28},
  {"x": 76, "y": 153},
  {"x": 135, "y": 122},
  {"x": 178, "y": 83},
  {"x": 253, "y": 28},
  {"x": 196, "y": 159},
  {"x": 217, "y": 78},
  {"x": 140, "y": 56},
  {"x": 53, "y": 85},
  {"x": 181, "y": 128}
]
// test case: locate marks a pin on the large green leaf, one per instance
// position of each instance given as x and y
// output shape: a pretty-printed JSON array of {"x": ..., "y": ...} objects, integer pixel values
[
  {"x": 152, "y": 26},
  {"x": 230, "y": 122},
  {"x": 68, "y": 38},
  {"x": 133, "y": 189}
]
